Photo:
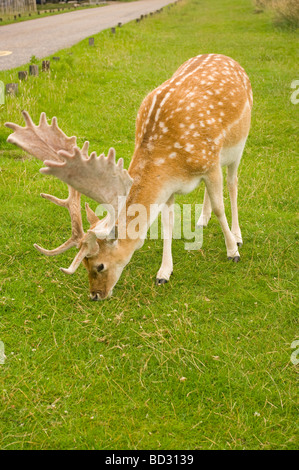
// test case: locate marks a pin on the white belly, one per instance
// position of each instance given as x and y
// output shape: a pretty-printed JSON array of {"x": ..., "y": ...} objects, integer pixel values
[
  {"x": 229, "y": 155},
  {"x": 186, "y": 187}
]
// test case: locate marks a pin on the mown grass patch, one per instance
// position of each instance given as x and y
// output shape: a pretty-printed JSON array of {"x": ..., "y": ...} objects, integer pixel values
[{"x": 204, "y": 361}]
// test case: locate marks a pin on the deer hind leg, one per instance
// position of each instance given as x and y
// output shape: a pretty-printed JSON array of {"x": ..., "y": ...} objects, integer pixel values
[
  {"x": 214, "y": 185},
  {"x": 167, "y": 218},
  {"x": 206, "y": 211},
  {"x": 232, "y": 183}
]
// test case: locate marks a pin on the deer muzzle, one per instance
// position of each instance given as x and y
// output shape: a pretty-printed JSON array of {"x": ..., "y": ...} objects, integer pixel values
[{"x": 100, "y": 295}]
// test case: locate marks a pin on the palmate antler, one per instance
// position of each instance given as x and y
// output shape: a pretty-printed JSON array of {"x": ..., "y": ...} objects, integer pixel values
[
  {"x": 100, "y": 178},
  {"x": 97, "y": 177}
]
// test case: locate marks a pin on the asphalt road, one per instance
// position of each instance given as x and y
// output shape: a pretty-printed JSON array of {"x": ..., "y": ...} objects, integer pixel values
[{"x": 45, "y": 36}]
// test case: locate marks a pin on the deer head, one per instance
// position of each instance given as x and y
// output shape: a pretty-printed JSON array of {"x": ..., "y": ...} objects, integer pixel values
[{"x": 100, "y": 178}]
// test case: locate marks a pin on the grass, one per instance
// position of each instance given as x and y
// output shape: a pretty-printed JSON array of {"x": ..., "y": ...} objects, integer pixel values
[
  {"x": 285, "y": 13},
  {"x": 83, "y": 375}
]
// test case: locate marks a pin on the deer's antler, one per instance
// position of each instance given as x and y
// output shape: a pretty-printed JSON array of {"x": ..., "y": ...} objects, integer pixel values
[
  {"x": 73, "y": 205},
  {"x": 42, "y": 141},
  {"x": 100, "y": 178}
]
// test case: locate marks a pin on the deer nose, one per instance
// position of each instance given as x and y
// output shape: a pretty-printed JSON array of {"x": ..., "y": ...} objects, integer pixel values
[
  {"x": 96, "y": 295},
  {"x": 100, "y": 295}
]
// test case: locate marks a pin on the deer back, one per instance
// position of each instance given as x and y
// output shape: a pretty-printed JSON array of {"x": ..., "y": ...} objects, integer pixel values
[{"x": 183, "y": 124}]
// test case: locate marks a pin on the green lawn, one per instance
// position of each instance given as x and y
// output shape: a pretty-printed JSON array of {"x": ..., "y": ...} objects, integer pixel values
[{"x": 107, "y": 375}]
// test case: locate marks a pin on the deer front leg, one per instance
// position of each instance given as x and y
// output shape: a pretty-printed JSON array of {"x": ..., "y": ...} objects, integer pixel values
[
  {"x": 214, "y": 185},
  {"x": 167, "y": 218},
  {"x": 206, "y": 211}
]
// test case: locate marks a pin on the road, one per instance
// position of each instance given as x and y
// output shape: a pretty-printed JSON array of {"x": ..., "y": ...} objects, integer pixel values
[{"x": 45, "y": 36}]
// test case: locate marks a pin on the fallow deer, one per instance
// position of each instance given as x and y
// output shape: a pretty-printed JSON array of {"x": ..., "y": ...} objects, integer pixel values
[{"x": 186, "y": 130}]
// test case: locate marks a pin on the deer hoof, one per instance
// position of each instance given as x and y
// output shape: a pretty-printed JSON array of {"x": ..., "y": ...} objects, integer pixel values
[
  {"x": 159, "y": 282},
  {"x": 235, "y": 259}
]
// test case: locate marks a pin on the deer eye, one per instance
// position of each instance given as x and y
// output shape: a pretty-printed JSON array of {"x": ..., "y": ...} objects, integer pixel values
[{"x": 100, "y": 268}]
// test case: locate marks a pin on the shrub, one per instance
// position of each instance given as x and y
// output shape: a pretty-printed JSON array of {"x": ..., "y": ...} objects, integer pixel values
[{"x": 286, "y": 12}]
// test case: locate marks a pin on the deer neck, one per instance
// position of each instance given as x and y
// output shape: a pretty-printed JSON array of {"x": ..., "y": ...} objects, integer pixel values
[{"x": 150, "y": 190}]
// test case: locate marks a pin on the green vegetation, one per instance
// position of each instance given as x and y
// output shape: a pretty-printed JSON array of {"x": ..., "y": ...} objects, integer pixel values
[
  {"x": 204, "y": 361},
  {"x": 285, "y": 13}
]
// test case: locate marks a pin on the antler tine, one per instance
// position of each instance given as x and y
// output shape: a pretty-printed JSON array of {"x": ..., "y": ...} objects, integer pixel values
[
  {"x": 89, "y": 247},
  {"x": 111, "y": 156},
  {"x": 57, "y": 251},
  {"x": 72, "y": 204},
  {"x": 91, "y": 216},
  {"x": 55, "y": 200},
  {"x": 13, "y": 126},
  {"x": 28, "y": 120},
  {"x": 76, "y": 262},
  {"x": 85, "y": 149},
  {"x": 43, "y": 120}
]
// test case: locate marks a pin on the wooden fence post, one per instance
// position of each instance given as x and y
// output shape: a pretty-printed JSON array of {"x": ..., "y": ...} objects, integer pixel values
[
  {"x": 23, "y": 75},
  {"x": 33, "y": 69},
  {"x": 46, "y": 66}
]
